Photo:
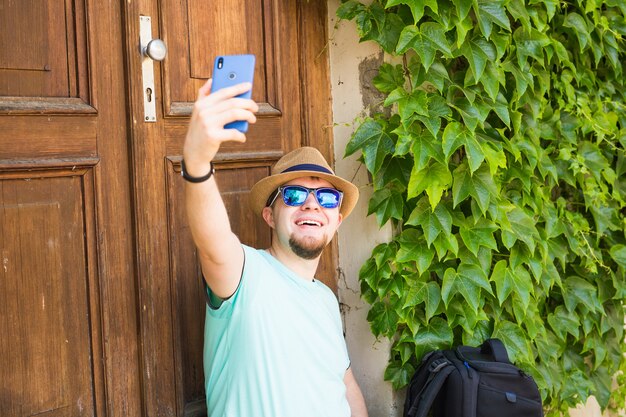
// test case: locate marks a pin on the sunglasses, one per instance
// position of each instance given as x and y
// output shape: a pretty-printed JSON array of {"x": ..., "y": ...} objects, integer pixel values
[{"x": 296, "y": 195}]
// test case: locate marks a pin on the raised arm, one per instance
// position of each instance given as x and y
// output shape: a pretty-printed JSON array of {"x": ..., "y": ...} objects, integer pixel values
[{"x": 219, "y": 249}]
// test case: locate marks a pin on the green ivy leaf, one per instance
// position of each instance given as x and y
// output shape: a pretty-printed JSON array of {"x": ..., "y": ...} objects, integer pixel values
[
  {"x": 596, "y": 345},
  {"x": 481, "y": 332},
  {"x": 414, "y": 103},
  {"x": 424, "y": 149},
  {"x": 389, "y": 78},
  {"x": 463, "y": 8},
  {"x": 474, "y": 152},
  {"x": 437, "y": 335},
  {"x": 514, "y": 338},
  {"x": 389, "y": 32},
  {"x": 454, "y": 136},
  {"x": 373, "y": 141},
  {"x": 437, "y": 109},
  {"x": 578, "y": 291},
  {"x": 383, "y": 253},
  {"x": 394, "y": 174},
  {"x": 437, "y": 75},
  {"x": 369, "y": 275},
  {"x": 432, "y": 222},
  {"x": 523, "y": 227},
  {"x": 467, "y": 281},
  {"x": 426, "y": 41},
  {"x": 434, "y": 179},
  {"x": 473, "y": 114},
  {"x": 512, "y": 281},
  {"x": 562, "y": 322},
  {"x": 383, "y": 319},
  {"x": 399, "y": 374},
  {"x": 387, "y": 205},
  {"x": 349, "y": 9},
  {"x": 478, "y": 51},
  {"x": 491, "y": 80},
  {"x": 480, "y": 234},
  {"x": 417, "y": 6},
  {"x": 578, "y": 25},
  {"x": 414, "y": 248},
  {"x": 444, "y": 243},
  {"x": 480, "y": 186},
  {"x": 495, "y": 156},
  {"x": 427, "y": 293},
  {"x": 523, "y": 79},
  {"x": 488, "y": 12},
  {"x": 530, "y": 44},
  {"x": 461, "y": 314},
  {"x": 518, "y": 11},
  {"x": 463, "y": 27},
  {"x": 618, "y": 253}
]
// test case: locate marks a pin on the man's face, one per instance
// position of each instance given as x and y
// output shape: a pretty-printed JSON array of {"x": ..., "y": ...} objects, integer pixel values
[{"x": 305, "y": 229}]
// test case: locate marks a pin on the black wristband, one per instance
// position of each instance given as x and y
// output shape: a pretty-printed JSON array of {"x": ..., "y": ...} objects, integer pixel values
[{"x": 187, "y": 177}]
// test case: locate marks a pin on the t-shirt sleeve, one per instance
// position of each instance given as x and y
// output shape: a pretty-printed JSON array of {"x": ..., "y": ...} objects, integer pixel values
[{"x": 222, "y": 308}]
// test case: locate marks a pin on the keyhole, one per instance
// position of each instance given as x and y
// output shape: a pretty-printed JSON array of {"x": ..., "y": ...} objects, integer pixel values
[{"x": 149, "y": 94}]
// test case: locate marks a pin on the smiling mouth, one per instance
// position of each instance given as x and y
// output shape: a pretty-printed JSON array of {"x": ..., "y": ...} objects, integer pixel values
[{"x": 308, "y": 223}]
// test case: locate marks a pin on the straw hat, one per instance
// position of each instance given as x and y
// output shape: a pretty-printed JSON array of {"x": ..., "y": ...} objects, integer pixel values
[{"x": 302, "y": 162}]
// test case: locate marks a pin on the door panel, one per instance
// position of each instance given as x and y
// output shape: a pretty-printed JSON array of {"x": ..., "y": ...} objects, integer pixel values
[
  {"x": 43, "y": 55},
  {"x": 45, "y": 286},
  {"x": 67, "y": 289},
  {"x": 47, "y": 61},
  {"x": 197, "y": 33}
]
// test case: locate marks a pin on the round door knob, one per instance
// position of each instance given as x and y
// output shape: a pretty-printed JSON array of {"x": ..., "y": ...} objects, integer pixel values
[{"x": 155, "y": 49}]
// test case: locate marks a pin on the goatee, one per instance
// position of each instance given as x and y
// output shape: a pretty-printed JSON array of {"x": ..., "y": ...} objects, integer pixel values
[{"x": 310, "y": 251}]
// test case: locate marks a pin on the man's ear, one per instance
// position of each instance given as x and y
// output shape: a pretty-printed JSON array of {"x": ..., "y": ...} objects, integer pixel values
[{"x": 268, "y": 216}]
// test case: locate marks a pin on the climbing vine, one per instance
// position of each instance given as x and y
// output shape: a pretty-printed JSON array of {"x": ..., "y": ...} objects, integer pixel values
[{"x": 499, "y": 161}]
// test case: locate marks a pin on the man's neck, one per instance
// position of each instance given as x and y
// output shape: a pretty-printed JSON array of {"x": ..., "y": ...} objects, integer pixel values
[{"x": 304, "y": 268}]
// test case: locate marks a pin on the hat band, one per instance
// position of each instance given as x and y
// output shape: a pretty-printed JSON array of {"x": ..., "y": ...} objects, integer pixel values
[{"x": 308, "y": 167}]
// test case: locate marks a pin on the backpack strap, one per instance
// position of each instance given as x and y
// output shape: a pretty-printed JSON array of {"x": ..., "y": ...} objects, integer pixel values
[
  {"x": 495, "y": 348},
  {"x": 439, "y": 369}
]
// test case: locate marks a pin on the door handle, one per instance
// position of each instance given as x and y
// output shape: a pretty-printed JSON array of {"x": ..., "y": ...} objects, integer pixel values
[
  {"x": 155, "y": 50},
  {"x": 151, "y": 50}
]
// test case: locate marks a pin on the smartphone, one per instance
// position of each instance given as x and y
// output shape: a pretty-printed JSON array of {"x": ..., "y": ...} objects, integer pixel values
[{"x": 229, "y": 70}]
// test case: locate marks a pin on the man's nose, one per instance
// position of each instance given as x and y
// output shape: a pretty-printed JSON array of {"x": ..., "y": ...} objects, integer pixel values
[{"x": 311, "y": 202}]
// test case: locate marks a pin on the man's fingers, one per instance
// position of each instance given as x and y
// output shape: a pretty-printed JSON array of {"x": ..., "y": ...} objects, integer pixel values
[
  {"x": 229, "y": 135},
  {"x": 228, "y": 92},
  {"x": 205, "y": 90},
  {"x": 223, "y": 105},
  {"x": 207, "y": 106},
  {"x": 227, "y": 116}
]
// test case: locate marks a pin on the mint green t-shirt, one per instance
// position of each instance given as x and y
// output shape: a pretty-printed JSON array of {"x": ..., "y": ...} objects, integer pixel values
[{"x": 276, "y": 347}]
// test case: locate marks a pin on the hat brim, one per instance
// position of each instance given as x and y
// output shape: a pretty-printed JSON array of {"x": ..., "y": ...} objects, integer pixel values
[{"x": 261, "y": 191}]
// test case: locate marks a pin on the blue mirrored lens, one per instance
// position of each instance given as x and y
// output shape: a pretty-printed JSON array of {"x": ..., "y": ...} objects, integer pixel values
[
  {"x": 327, "y": 197},
  {"x": 295, "y": 195}
]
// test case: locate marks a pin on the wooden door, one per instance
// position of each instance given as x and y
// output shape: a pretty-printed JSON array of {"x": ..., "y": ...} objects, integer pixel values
[
  {"x": 291, "y": 86},
  {"x": 101, "y": 306},
  {"x": 68, "y": 321}
]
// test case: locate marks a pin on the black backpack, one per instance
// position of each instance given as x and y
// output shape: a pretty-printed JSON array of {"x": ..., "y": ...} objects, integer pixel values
[{"x": 472, "y": 382}]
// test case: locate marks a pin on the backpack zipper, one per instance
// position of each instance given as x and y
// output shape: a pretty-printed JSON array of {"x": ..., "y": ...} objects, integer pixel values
[{"x": 469, "y": 373}]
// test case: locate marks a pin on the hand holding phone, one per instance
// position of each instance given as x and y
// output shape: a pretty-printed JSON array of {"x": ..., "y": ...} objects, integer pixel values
[{"x": 229, "y": 70}]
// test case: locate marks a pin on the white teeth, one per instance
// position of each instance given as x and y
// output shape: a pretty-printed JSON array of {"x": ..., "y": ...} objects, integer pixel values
[{"x": 309, "y": 223}]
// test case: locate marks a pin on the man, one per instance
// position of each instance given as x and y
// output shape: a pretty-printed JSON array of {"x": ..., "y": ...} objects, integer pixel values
[{"x": 274, "y": 345}]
